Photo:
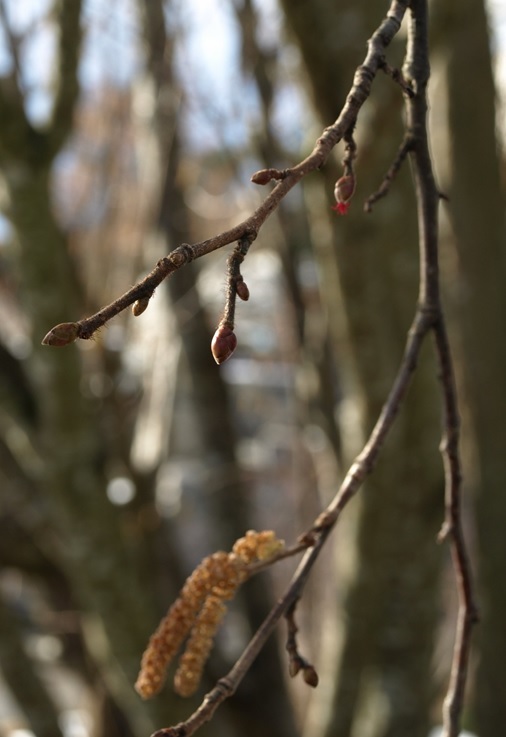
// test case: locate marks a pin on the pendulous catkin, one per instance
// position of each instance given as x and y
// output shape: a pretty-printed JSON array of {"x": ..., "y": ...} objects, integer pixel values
[{"x": 200, "y": 609}]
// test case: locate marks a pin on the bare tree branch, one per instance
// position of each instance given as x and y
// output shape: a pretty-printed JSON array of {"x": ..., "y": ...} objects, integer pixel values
[
  {"x": 428, "y": 319},
  {"x": 250, "y": 227}
]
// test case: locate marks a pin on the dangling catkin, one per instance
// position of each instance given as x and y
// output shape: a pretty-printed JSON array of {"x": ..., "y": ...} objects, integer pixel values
[{"x": 200, "y": 608}]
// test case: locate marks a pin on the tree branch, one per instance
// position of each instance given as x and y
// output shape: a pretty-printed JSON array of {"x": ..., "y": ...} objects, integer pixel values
[
  {"x": 417, "y": 69},
  {"x": 250, "y": 227}
]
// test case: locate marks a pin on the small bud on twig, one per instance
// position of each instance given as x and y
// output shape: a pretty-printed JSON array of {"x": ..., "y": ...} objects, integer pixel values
[
  {"x": 62, "y": 334},
  {"x": 223, "y": 344},
  {"x": 140, "y": 306},
  {"x": 294, "y": 666},
  {"x": 343, "y": 192},
  {"x": 310, "y": 676},
  {"x": 264, "y": 176},
  {"x": 242, "y": 290}
]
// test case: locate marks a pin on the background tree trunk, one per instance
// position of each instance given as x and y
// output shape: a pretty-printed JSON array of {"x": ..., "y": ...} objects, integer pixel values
[{"x": 476, "y": 210}]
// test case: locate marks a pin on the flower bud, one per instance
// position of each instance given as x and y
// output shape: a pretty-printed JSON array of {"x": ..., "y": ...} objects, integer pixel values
[
  {"x": 242, "y": 290},
  {"x": 223, "y": 344},
  {"x": 294, "y": 667},
  {"x": 62, "y": 334},
  {"x": 310, "y": 676},
  {"x": 343, "y": 192},
  {"x": 140, "y": 306},
  {"x": 262, "y": 177}
]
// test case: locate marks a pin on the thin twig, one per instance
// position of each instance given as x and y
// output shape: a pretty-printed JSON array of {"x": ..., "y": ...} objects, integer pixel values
[
  {"x": 417, "y": 67},
  {"x": 452, "y": 529},
  {"x": 398, "y": 77},
  {"x": 235, "y": 283},
  {"x": 384, "y": 188},
  {"x": 296, "y": 662}
]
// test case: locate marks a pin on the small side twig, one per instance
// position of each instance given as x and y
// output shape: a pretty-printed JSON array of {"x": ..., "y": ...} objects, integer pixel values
[
  {"x": 404, "y": 149},
  {"x": 296, "y": 662},
  {"x": 398, "y": 77},
  {"x": 452, "y": 530},
  {"x": 224, "y": 340}
]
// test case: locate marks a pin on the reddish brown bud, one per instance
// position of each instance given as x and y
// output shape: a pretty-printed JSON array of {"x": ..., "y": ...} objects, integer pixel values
[
  {"x": 343, "y": 192},
  {"x": 294, "y": 666},
  {"x": 223, "y": 344},
  {"x": 140, "y": 306},
  {"x": 263, "y": 176},
  {"x": 310, "y": 676},
  {"x": 242, "y": 290},
  {"x": 62, "y": 334}
]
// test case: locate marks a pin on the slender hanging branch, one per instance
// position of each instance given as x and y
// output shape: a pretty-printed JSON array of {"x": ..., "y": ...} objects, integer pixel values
[
  {"x": 428, "y": 319},
  {"x": 417, "y": 70}
]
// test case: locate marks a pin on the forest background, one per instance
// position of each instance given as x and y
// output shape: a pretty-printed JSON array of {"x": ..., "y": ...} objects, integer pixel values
[{"x": 125, "y": 130}]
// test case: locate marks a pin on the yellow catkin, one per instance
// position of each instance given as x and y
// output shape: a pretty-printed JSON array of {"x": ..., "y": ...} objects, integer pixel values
[
  {"x": 200, "y": 608},
  {"x": 177, "y": 623},
  {"x": 257, "y": 546},
  {"x": 192, "y": 661}
]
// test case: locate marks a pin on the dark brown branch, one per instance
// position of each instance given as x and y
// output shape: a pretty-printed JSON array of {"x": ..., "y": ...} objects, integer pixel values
[
  {"x": 235, "y": 282},
  {"x": 250, "y": 227}
]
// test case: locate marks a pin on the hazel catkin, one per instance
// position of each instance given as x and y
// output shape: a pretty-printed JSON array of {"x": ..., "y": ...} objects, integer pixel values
[{"x": 199, "y": 610}]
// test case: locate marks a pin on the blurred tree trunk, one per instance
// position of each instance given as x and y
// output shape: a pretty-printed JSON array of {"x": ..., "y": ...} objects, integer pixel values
[
  {"x": 316, "y": 359},
  {"x": 24, "y": 683},
  {"x": 477, "y": 211},
  {"x": 89, "y": 542},
  {"x": 382, "y": 648}
]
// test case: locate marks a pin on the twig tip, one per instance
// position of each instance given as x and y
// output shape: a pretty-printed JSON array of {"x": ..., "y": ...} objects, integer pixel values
[{"x": 62, "y": 334}]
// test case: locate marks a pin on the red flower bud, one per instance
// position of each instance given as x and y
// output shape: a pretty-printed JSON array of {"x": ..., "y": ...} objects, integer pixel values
[
  {"x": 343, "y": 192},
  {"x": 223, "y": 344}
]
